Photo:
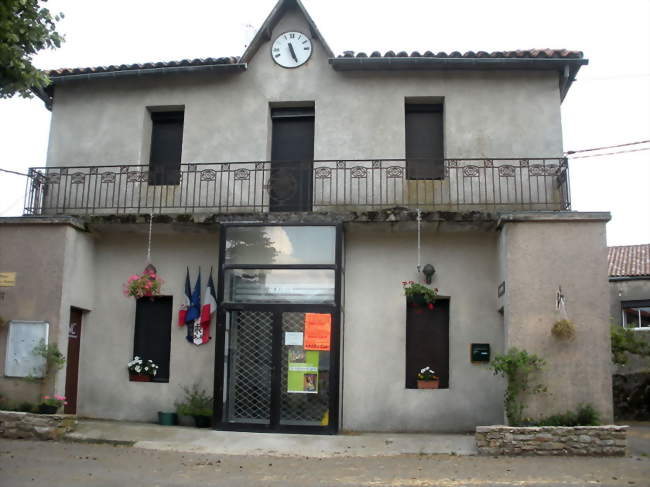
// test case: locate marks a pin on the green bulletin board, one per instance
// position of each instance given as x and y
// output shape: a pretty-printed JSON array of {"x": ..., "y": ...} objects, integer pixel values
[{"x": 302, "y": 374}]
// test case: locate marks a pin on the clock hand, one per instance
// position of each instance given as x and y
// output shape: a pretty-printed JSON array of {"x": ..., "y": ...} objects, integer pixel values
[{"x": 293, "y": 53}]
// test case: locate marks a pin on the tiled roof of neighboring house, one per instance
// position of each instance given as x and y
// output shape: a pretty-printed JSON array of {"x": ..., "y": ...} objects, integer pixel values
[
  {"x": 521, "y": 54},
  {"x": 629, "y": 260},
  {"x": 132, "y": 67}
]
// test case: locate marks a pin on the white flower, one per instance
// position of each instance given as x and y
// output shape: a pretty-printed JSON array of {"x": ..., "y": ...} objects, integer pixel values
[{"x": 138, "y": 369}]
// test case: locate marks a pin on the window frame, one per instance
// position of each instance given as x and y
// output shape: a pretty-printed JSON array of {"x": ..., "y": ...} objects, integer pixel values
[
  {"x": 413, "y": 329},
  {"x": 137, "y": 340},
  {"x": 638, "y": 303},
  {"x": 413, "y": 165},
  {"x": 161, "y": 174}
]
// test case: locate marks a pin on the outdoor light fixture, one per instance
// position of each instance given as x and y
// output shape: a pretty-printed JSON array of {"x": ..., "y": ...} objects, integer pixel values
[{"x": 428, "y": 272}]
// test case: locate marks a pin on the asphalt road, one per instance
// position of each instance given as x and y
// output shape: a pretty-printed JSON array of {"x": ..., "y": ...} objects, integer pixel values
[{"x": 53, "y": 464}]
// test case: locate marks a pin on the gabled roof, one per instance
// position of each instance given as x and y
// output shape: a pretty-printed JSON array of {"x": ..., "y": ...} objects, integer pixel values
[
  {"x": 519, "y": 54},
  {"x": 222, "y": 61},
  {"x": 264, "y": 32},
  {"x": 629, "y": 261},
  {"x": 566, "y": 63}
]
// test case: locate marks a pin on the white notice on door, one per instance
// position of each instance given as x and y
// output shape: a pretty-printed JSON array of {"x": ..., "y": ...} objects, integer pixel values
[{"x": 293, "y": 338}]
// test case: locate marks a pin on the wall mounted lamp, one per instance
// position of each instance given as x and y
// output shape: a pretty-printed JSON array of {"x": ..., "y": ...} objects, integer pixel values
[{"x": 428, "y": 272}]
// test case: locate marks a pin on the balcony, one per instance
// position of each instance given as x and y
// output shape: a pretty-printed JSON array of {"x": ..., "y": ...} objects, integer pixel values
[{"x": 489, "y": 185}]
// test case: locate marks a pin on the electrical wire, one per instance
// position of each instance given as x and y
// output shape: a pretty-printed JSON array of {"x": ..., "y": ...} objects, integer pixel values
[
  {"x": 607, "y": 147},
  {"x": 610, "y": 153},
  {"x": 14, "y": 172}
]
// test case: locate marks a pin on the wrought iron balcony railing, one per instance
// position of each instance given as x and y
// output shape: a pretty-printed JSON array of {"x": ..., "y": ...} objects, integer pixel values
[{"x": 331, "y": 185}]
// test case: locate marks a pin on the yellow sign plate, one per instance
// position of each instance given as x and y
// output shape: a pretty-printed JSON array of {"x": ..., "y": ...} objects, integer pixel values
[{"x": 7, "y": 279}]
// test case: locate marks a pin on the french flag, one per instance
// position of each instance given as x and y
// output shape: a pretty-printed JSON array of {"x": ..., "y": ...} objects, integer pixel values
[
  {"x": 208, "y": 309},
  {"x": 192, "y": 318},
  {"x": 188, "y": 299}
]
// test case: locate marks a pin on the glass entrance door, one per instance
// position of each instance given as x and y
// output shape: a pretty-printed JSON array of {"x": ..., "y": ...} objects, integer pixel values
[
  {"x": 278, "y": 326},
  {"x": 278, "y": 373}
]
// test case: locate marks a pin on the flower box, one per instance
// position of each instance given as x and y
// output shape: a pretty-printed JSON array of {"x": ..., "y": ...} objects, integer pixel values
[
  {"x": 139, "y": 378},
  {"x": 429, "y": 384}
]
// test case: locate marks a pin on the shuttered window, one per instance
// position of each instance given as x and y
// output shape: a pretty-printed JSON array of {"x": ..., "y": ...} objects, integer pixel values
[
  {"x": 152, "y": 341},
  {"x": 166, "y": 147},
  {"x": 427, "y": 342},
  {"x": 424, "y": 141}
]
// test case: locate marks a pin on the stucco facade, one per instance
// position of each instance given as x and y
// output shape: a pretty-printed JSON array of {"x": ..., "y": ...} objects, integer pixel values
[
  {"x": 490, "y": 113},
  {"x": 357, "y": 115}
]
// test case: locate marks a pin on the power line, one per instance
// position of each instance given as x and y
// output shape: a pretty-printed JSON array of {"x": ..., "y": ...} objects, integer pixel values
[
  {"x": 607, "y": 147},
  {"x": 611, "y": 153},
  {"x": 14, "y": 172}
]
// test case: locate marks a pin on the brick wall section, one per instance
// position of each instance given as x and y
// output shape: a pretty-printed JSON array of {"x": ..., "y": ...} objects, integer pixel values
[
  {"x": 35, "y": 426},
  {"x": 550, "y": 440}
]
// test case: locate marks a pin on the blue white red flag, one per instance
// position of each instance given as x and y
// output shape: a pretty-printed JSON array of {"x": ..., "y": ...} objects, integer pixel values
[{"x": 186, "y": 300}]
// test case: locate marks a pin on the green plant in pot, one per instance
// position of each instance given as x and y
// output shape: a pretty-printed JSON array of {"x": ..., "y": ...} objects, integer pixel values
[
  {"x": 167, "y": 418},
  {"x": 198, "y": 404},
  {"x": 51, "y": 404},
  {"x": 418, "y": 295}
]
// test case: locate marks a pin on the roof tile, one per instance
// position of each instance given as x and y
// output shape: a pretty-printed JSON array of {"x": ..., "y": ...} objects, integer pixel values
[
  {"x": 530, "y": 53},
  {"x": 629, "y": 260},
  {"x": 132, "y": 67}
]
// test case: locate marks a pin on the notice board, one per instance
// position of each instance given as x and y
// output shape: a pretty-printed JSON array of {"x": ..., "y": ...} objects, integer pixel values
[{"x": 23, "y": 336}]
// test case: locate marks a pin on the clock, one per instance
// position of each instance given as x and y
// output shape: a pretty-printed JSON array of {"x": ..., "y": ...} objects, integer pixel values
[{"x": 291, "y": 49}]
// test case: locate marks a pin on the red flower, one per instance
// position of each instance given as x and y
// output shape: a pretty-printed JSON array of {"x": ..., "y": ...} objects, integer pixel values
[{"x": 430, "y": 306}]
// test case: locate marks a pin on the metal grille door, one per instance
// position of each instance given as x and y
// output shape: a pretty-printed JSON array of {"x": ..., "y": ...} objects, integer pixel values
[
  {"x": 250, "y": 350},
  {"x": 303, "y": 409}
]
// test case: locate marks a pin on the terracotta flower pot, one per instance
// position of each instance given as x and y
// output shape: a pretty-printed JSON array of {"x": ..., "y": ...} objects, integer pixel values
[
  {"x": 428, "y": 384},
  {"x": 139, "y": 377}
]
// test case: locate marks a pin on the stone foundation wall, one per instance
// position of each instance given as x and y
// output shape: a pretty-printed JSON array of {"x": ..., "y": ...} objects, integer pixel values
[
  {"x": 35, "y": 426},
  {"x": 551, "y": 440}
]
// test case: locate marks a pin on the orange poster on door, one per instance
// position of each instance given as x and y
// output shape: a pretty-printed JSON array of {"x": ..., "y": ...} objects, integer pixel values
[{"x": 318, "y": 330}]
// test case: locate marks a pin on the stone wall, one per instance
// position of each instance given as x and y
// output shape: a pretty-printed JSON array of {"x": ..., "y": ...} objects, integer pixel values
[
  {"x": 35, "y": 426},
  {"x": 551, "y": 440}
]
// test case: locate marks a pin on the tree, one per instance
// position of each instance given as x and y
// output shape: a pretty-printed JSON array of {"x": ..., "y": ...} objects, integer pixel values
[{"x": 25, "y": 29}]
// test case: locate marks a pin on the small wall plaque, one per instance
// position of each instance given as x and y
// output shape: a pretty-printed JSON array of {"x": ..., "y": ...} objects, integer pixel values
[
  {"x": 7, "y": 279},
  {"x": 480, "y": 352}
]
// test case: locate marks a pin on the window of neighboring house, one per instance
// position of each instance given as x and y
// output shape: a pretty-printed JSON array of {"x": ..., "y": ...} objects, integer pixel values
[
  {"x": 166, "y": 147},
  {"x": 427, "y": 342},
  {"x": 424, "y": 141},
  {"x": 636, "y": 314},
  {"x": 152, "y": 341}
]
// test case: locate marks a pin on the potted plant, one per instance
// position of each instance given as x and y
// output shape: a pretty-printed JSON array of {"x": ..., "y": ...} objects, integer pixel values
[
  {"x": 198, "y": 404},
  {"x": 418, "y": 295},
  {"x": 427, "y": 379},
  {"x": 167, "y": 418},
  {"x": 141, "y": 371},
  {"x": 147, "y": 284},
  {"x": 51, "y": 404}
]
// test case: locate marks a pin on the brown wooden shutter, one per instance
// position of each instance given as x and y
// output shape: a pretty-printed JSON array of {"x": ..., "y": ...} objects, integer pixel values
[
  {"x": 152, "y": 341},
  {"x": 427, "y": 342},
  {"x": 424, "y": 142},
  {"x": 166, "y": 147}
]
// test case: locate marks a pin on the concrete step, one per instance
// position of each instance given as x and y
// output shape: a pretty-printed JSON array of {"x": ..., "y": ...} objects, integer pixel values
[{"x": 195, "y": 440}]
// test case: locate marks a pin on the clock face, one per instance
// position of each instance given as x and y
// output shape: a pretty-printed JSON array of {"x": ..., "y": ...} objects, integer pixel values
[{"x": 291, "y": 49}]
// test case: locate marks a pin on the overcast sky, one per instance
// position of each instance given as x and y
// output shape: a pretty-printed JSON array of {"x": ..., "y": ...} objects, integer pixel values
[{"x": 609, "y": 103}]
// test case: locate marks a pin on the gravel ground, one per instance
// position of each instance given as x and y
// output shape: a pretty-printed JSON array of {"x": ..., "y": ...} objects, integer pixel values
[{"x": 52, "y": 464}]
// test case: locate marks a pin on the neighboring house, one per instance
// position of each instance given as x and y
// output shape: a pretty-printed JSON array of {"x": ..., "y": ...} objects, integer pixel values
[
  {"x": 629, "y": 294},
  {"x": 313, "y": 185},
  {"x": 629, "y": 285}
]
